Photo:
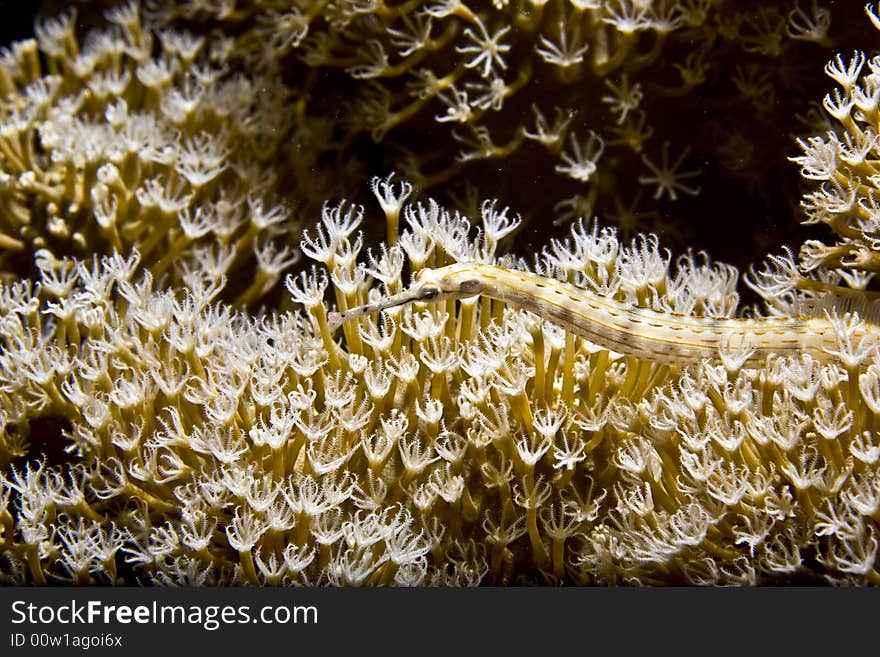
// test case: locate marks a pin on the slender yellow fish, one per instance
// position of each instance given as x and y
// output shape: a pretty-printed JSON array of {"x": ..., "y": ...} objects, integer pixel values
[{"x": 664, "y": 337}]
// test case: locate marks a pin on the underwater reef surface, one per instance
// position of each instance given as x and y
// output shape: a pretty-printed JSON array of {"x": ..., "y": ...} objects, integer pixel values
[{"x": 203, "y": 203}]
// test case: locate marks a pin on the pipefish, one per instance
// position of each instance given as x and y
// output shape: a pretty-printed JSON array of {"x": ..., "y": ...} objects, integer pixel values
[{"x": 664, "y": 337}]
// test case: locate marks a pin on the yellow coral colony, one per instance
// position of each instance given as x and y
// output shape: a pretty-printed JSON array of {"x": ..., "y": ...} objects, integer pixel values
[
  {"x": 601, "y": 103},
  {"x": 140, "y": 140},
  {"x": 445, "y": 441}
]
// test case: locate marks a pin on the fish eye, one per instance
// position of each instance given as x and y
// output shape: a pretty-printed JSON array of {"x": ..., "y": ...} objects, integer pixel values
[{"x": 430, "y": 293}]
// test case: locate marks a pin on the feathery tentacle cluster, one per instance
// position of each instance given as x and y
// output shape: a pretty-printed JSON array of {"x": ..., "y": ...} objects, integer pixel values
[
  {"x": 453, "y": 442},
  {"x": 132, "y": 139}
]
